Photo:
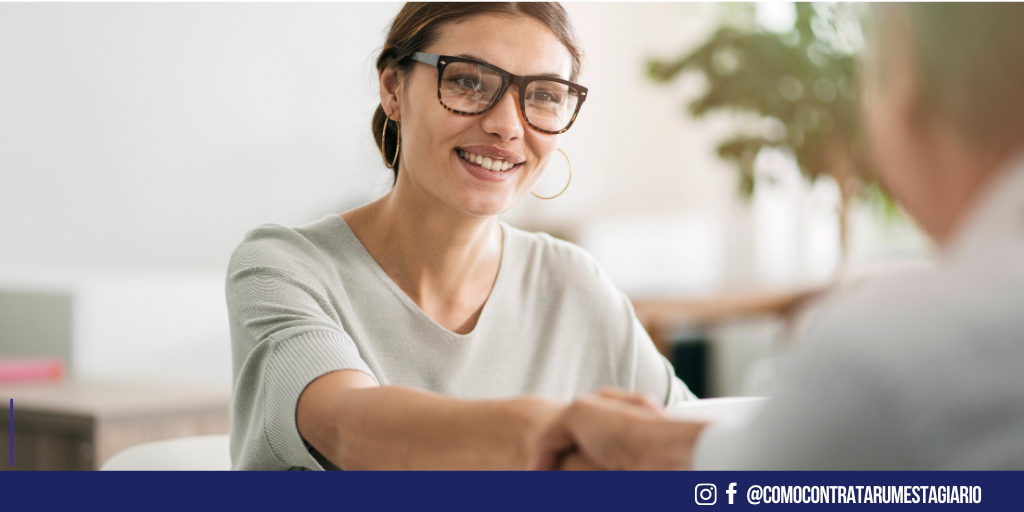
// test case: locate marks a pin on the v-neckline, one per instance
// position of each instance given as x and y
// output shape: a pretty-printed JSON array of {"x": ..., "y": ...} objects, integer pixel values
[{"x": 346, "y": 231}]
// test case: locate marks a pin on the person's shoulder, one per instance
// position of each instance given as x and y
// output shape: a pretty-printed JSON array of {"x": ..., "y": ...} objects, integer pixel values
[
  {"x": 275, "y": 245},
  {"x": 919, "y": 350},
  {"x": 932, "y": 306},
  {"x": 952, "y": 327},
  {"x": 543, "y": 253}
]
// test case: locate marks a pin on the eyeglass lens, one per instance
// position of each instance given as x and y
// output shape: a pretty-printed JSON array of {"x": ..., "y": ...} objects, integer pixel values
[{"x": 469, "y": 87}]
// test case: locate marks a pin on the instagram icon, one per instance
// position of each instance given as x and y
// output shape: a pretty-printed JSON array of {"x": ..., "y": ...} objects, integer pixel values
[{"x": 705, "y": 494}]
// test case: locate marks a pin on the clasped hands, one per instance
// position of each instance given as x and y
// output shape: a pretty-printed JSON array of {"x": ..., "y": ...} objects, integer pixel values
[{"x": 615, "y": 430}]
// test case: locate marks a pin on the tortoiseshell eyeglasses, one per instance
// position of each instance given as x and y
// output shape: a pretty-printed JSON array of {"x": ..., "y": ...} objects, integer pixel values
[{"x": 472, "y": 88}]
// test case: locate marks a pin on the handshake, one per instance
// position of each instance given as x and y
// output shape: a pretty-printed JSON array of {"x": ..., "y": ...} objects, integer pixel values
[{"x": 614, "y": 430}]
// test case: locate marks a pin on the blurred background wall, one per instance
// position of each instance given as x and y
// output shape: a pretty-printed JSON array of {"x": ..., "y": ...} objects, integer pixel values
[{"x": 139, "y": 142}]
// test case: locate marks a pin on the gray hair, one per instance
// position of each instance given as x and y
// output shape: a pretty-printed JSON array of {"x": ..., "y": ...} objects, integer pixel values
[{"x": 969, "y": 59}]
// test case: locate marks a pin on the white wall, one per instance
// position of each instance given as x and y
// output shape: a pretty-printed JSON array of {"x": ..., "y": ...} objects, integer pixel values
[{"x": 155, "y": 135}]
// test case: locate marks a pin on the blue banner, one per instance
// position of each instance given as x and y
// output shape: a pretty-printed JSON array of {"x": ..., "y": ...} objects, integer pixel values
[{"x": 497, "y": 491}]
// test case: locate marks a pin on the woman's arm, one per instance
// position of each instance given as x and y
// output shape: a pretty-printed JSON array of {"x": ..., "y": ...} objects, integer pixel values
[{"x": 359, "y": 425}]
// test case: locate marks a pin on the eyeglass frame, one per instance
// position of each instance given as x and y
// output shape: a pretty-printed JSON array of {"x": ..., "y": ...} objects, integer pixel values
[{"x": 507, "y": 80}]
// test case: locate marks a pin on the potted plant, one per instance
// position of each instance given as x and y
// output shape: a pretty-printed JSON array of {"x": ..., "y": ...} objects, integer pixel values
[{"x": 800, "y": 82}]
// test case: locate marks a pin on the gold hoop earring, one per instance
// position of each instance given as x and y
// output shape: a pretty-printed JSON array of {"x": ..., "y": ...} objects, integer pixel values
[
  {"x": 566, "y": 183},
  {"x": 383, "y": 134}
]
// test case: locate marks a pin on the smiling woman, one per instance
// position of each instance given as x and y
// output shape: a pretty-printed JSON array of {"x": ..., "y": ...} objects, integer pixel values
[{"x": 418, "y": 331}]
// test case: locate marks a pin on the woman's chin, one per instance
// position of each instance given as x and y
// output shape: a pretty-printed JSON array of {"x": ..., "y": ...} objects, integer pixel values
[{"x": 484, "y": 204}]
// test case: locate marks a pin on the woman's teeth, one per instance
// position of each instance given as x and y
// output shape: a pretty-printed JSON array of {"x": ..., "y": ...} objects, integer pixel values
[{"x": 487, "y": 162}]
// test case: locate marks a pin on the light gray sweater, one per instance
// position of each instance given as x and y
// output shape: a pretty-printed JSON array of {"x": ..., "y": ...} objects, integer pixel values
[{"x": 310, "y": 300}]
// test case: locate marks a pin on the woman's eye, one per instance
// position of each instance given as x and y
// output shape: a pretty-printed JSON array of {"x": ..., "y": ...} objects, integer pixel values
[
  {"x": 548, "y": 97},
  {"x": 466, "y": 82}
]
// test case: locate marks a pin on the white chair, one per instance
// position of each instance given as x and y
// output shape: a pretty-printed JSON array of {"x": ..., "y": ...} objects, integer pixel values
[{"x": 199, "y": 453}]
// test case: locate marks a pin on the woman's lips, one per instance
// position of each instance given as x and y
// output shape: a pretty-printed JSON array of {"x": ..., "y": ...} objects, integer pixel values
[
  {"x": 477, "y": 170},
  {"x": 489, "y": 162}
]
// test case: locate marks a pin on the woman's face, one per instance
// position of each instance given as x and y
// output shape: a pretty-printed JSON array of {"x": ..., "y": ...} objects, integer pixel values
[{"x": 434, "y": 140}]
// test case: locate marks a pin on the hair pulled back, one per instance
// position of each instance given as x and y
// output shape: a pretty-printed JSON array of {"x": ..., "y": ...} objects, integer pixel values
[{"x": 417, "y": 25}]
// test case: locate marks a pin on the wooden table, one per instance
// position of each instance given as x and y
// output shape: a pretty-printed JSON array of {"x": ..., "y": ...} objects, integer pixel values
[{"x": 76, "y": 425}]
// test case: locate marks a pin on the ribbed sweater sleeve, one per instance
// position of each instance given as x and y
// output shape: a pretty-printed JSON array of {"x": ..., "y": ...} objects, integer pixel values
[
  {"x": 293, "y": 364},
  {"x": 285, "y": 334}
]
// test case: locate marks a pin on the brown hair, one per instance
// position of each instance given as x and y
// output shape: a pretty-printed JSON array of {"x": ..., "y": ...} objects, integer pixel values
[
  {"x": 418, "y": 23},
  {"x": 969, "y": 60}
]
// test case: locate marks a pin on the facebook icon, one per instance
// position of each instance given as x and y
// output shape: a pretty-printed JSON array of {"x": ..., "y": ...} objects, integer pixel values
[{"x": 731, "y": 491}]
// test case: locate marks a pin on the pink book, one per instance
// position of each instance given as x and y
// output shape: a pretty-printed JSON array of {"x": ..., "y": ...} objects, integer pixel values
[{"x": 20, "y": 370}]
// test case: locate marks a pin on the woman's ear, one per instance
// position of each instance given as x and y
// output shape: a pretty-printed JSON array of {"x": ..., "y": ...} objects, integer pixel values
[{"x": 390, "y": 85}]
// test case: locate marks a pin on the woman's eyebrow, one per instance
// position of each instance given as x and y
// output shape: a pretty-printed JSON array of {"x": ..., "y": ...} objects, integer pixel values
[{"x": 474, "y": 57}]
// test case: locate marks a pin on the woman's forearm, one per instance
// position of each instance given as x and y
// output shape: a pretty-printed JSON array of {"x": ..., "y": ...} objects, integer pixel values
[{"x": 394, "y": 427}]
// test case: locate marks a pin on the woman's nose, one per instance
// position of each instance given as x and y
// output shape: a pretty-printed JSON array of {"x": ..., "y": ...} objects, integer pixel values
[{"x": 504, "y": 119}]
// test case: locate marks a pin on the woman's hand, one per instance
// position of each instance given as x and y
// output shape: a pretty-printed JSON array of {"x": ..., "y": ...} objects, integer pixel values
[
  {"x": 575, "y": 461},
  {"x": 619, "y": 431}
]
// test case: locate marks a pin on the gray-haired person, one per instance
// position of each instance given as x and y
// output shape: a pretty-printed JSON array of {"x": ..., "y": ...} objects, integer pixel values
[{"x": 916, "y": 371}]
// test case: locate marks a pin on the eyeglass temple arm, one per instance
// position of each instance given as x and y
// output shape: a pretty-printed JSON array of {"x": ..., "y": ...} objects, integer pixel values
[{"x": 426, "y": 58}]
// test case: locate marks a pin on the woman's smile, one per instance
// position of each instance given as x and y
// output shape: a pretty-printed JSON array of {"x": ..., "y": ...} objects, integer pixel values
[{"x": 489, "y": 163}]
